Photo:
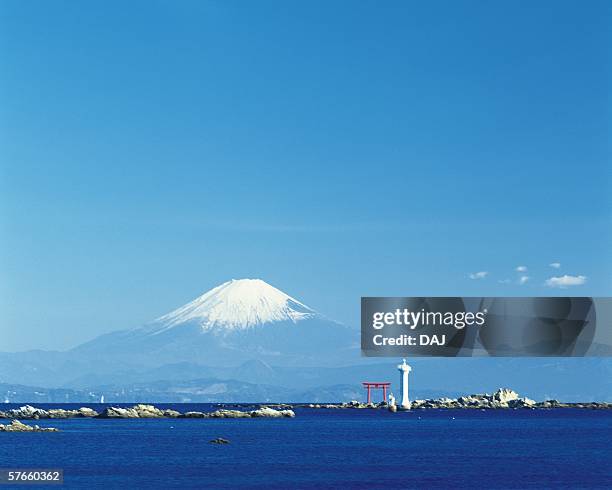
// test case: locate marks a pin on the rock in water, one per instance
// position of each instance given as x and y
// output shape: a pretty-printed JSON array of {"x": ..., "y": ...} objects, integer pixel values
[
  {"x": 139, "y": 411},
  {"x": 16, "y": 426},
  {"x": 118, "y": 413},
  {"x": 219, "y": 440},
  {"x": 238, "y": 414},
  {"x": 522, "y": 403},
  {"x": 27, "y": 412},
  {"x": 270, "y": 412},
  {"x": 194, "y": 415},
  {"x": 58, "y": 413},
  {"x": 226, "y": 414},
  {"x": 504, "y": 395},
  {"x": 171, "y": 413},
  {"x": 30, "y": 412}
]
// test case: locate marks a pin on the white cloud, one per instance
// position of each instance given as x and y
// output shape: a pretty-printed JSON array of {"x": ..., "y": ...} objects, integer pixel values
[
  {"x": 523, "y": 280},
  {"x": 479, "y": 275},
  {"x": 555, "y": 265},
  {"x": 521, "y": 268},
  {"x": 504, "y": 281},
  {"x": 565, "y": 281}
]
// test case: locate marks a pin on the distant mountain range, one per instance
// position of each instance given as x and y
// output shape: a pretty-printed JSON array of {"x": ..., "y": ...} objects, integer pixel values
[
  {"x": 568, "y": 380},
  {"x": 248, "y": 341},
  {"x": 184, "y": 391}
]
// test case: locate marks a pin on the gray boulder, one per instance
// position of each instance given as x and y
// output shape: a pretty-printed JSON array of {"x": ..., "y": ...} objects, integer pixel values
[
  {"x": 194, "y": 415},
  {"x": 270, "y": 412},
  {"x": 171, "y": 413}
]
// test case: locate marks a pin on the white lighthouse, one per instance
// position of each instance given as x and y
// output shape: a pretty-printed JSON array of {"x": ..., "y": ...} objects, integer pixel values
[{"x": 404, "y": 369}]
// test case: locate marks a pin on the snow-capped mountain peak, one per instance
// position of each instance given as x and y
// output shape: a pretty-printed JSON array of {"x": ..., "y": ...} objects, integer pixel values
[{"x": 236, "y": 305}]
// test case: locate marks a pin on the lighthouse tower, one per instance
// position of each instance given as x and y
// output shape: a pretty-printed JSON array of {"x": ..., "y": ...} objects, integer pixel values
[{"x": 404, "y": 369}]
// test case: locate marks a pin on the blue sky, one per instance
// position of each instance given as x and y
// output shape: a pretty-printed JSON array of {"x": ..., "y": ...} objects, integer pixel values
[{"x": 152, "y": 150}]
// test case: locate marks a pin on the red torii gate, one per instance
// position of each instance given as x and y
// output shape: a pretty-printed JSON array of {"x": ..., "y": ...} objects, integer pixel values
[{"x": 368, "y": 385}]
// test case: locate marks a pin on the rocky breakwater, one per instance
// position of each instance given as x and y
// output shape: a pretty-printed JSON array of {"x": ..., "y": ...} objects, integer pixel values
[
  {"x": 503, "y": 398},
  {"x": 141, "y": 411},
  {"x": 16, "y": 426}
]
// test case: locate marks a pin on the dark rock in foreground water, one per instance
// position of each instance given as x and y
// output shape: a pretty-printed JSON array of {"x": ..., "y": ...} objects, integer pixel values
[{"x": 219, "y": 440}]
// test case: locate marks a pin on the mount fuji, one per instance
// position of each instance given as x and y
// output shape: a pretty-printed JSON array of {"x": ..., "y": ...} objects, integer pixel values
[
  {"x": 237, "y": 305},
  {"x": 238, "y": 321}
]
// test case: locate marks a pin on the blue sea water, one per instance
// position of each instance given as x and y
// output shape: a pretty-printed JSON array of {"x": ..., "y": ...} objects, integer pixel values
[{"x": 564, "y": 448}]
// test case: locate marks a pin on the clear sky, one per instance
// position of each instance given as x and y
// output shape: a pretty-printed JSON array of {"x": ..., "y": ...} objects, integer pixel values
[{"x": 152, "y": 150}]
